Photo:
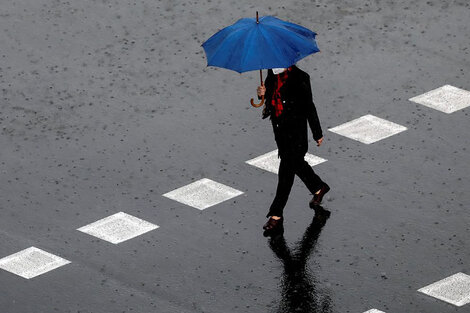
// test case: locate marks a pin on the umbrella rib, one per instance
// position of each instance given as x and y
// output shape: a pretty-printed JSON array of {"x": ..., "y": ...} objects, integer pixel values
[
  {"x": 274, "y": 48},
  {"x": 245, "y": 51},
  {"x": 220, "y": 46},
  {"x": 290, "y": 27},
  {"x": 297, "y": 35},
  {"x": 293, "y": 32}
]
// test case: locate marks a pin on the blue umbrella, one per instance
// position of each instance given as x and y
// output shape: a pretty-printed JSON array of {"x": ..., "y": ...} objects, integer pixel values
[{"x": 257, "y": 44}]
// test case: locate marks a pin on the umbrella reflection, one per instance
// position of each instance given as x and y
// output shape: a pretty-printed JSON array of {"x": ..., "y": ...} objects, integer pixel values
[{"x": 299, "y": 290}]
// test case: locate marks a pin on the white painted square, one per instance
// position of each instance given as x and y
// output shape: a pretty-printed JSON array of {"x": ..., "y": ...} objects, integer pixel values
[
  {"x": 203, "y": 193},
  {"x": 118, "y": 227},
  {"x": 374, "y": 311},
  {"x": 368, "y": 129},
  {"x": 454, "y": 289},
  {"x": 270, "y": 162},
  {"x": 447, "y": 99},
  {"x": 31, "y": 262}
]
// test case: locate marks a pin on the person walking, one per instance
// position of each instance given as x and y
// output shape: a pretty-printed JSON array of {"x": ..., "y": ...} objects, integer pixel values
[{"x": 289, "y": 104}]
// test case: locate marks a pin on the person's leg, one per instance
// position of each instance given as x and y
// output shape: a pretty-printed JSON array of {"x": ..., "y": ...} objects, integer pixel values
[
  {"x": 308, "y": 176},
  {"x": 284, "y": 185},
  {"x": 313, "y": 182}
]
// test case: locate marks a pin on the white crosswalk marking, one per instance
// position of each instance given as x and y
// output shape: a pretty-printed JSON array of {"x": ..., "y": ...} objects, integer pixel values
[
  {"x": 118, "y": 227},
  {"x": 368, "y": 129},
  {"x": 203, "y": 193},
  {"x": 454, "y": 289},
  {"x": 374, "y": 311},
  {"x": 270, "y": 162},
  {"x": 447, "y": 99},
  {"x": 31, "y": 262}
]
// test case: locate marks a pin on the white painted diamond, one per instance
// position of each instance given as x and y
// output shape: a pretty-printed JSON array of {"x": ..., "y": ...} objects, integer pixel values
[
  {"x": 118, "y": 227},
  {"x": 270, "y": 162},
  {"x": 368, "y": 129},
  {"x": 31, "y": 262},
  {"x": 447, "y": 99},
  {"x": 203, "y": 193},
  {"x": 454, "y": 289},
  {"x": 374, "y": 311}
]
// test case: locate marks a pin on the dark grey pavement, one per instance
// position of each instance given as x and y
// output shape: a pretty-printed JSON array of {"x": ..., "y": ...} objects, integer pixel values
[{"x": 106, "y": 105}]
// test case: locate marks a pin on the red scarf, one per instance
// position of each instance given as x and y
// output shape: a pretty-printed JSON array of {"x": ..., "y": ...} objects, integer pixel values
[{"x": 276, "y": 99}]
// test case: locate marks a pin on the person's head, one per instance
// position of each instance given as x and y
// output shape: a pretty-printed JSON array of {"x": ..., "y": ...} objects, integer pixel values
[{"x": 277, "y": 71}]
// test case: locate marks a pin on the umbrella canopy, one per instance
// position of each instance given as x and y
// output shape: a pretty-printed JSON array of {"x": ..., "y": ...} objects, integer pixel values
[{"x": 252, "y": 44}]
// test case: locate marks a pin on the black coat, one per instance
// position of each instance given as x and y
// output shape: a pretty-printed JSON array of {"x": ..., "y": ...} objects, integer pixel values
[{"x": 290, "y": 128}]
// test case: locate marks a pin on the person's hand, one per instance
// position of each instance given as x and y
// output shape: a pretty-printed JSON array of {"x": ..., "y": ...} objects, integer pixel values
[
  {"x": 261, "y": 91},
  {"x": 319, "y": 141}
]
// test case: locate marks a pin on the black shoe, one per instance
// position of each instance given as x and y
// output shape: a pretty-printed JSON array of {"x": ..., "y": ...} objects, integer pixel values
[
  {"x": 275, "y": 233},
  {"x": 273, "y": 224},
  {"x": 273, "y": 228},
  {"x": 316, "y": 200}
]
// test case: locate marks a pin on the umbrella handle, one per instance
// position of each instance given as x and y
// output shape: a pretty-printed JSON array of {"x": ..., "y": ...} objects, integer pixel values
[
  {"x": 261, "y": 79},
  {"x": 259, "y": 104}
]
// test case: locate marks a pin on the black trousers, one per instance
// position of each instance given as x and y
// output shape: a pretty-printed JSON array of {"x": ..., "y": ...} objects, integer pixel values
[{"x": 289, "y": 167}]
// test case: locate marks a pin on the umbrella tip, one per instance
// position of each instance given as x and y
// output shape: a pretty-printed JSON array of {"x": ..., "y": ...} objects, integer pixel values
[{"x": 257, "y": 20}]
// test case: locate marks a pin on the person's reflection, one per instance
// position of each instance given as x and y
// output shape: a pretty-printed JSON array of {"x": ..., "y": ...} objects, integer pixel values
[{"x": 299, "y": 290}]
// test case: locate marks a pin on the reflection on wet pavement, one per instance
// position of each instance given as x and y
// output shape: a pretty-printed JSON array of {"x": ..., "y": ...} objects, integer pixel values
[{"x": 300, "y": 292}]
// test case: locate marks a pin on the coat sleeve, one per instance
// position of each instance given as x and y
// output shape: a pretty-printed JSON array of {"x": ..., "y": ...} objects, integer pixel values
[{"x": 312, "y": 116}]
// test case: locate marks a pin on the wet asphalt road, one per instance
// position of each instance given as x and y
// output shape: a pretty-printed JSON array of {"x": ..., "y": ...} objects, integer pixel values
[{"x": 107, "y": 105}]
